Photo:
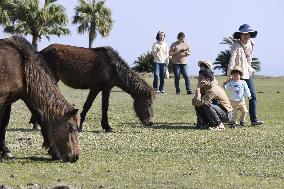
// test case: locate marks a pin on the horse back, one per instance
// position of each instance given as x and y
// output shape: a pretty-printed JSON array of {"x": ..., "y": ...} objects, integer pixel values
[{"x": 78, "y": 67}]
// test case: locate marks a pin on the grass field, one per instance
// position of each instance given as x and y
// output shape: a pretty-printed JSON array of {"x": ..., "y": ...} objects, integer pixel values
[{"x": 171, "y": 154}]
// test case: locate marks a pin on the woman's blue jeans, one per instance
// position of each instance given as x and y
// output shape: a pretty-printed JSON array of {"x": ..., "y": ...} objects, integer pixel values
[
  {"x": 159, "y": 72},
  {"x": 252, "y": 101},
  {"x": 181, "y": 68}
]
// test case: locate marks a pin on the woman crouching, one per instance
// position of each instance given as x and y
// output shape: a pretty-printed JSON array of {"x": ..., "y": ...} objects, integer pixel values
[{"x": 210, "y": 115}]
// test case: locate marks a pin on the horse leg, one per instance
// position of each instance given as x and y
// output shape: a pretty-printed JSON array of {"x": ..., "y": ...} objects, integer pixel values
[
  {"x": 35, "y": 123},
  {"x": 4, "y": 120},
  {"x": 90, "y": 99},
  {"x": 105, "y": 104}
]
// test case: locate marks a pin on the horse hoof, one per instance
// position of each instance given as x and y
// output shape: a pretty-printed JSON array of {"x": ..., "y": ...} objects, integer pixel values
[
  {"x": 36, "y": 127},
  {"x": 108, "y": 130},
  {"x": 7, "y": 155}
]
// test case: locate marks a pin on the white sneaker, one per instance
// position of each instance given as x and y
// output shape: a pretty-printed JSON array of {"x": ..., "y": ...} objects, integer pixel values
[
  {"x": 221, "y": 126},
  {"x": 217, "y": 128}
]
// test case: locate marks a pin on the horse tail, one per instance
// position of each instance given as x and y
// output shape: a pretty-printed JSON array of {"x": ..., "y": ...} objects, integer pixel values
[{"x": 129, "y": 79}]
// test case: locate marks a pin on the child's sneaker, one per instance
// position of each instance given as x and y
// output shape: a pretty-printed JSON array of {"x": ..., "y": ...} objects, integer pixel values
[
  {"x": 232, "y": 124},
  {"x": 163, "y": 92}
]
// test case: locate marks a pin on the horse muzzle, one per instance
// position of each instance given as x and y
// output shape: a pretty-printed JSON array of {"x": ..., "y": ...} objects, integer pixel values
[{"x": 71, "y": 158}]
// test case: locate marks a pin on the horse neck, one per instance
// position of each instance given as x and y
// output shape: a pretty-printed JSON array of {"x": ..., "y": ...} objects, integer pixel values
[
  {"x": 42, "y": 94},
  {"x": 131, "y": 84}
]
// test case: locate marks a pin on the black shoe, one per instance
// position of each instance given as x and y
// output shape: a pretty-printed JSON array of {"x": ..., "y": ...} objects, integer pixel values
[
  {"x": 242, "y": 123},
  {"x": 189, "y": 93},
  {"x": 201, "y": 126},
  {"x": 257, "y": 122},
  {"x": 178, "y": 92},
  {"x": 232, "y": 124}
]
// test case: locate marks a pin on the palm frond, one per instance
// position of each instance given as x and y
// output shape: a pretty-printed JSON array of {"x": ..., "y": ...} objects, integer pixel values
[{"x": 93, "y": 17}]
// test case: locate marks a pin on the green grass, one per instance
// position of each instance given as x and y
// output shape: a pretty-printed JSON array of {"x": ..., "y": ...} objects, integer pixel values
[{"x": 171, "y": 154}]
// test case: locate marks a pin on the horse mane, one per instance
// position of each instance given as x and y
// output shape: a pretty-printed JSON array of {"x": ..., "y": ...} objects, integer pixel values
[
  {"x": 40, "y": 91},
  {"x": 130, "y": 80}
]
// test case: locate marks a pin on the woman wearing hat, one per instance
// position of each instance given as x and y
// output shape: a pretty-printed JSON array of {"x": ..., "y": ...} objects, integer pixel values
[
  {"x": 241, "y": 55},
  {"x": 239, "y": 90}
]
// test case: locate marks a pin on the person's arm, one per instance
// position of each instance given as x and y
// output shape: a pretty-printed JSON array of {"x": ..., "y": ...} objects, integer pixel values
[
  {"x": 188, "y": 50},
  {"x": 246, "y": 90},
  {"x": 196, "y": 101},
  {"x": 232, "y": 61},
  {"x": 227, "y": 84},
  {"x": 208, "y": 97},
  {"x": 156, "y": 49},
  {"x": 167, "y": 51},
  {"x": 173, "y": 50}
]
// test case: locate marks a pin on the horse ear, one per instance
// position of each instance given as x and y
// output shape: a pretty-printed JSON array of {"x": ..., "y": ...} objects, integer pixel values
[{"x": 72, "y": 112}]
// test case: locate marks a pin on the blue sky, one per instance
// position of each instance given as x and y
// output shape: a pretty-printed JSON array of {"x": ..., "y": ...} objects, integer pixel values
[{"x": 204, "y": 22}]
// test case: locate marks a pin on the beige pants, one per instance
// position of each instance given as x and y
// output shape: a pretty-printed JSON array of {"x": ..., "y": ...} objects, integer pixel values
[{"x": 239, "y": 105}]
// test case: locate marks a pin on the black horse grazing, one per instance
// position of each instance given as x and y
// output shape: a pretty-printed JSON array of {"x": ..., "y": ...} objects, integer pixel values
[
  {"x": 99, "y": 69},
  {"x": 23, "y": 78}
]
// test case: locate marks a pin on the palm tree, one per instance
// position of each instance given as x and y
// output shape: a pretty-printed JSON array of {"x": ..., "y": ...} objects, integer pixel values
[
  {"x": 222, "y": 61},
  {"x": 28, "y": 18},
  {"x": 255, "y": 64},
  {"x": 4, "y": 17},
  {"x": 228, "y": 41},
  {"x": 93, "y": 17}
]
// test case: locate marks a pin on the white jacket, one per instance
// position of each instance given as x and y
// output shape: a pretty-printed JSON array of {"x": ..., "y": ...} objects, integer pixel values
[
  {"x": 241, "y": 57},
  {"x": 161, "y": 55}
]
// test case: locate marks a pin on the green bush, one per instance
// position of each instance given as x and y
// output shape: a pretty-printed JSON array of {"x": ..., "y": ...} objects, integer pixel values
[{"x": 144, "y": 63}]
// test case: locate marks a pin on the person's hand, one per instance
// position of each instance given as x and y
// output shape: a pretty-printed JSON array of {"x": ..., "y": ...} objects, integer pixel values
[
  {"x": 200, "y": 85},
  {"x": 225, "y": 82}
]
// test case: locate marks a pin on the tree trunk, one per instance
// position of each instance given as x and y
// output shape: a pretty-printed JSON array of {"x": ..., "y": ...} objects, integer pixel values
[
  {"x": 92, "y": 36},
  {"x": 35, "y": 41},
  {"x": 91, "y": 40}
]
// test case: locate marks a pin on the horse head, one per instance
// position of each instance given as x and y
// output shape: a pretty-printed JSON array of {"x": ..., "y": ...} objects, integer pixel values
[
  {"x": 143, "y": 106},
  {"x": 63, "y": 137}
]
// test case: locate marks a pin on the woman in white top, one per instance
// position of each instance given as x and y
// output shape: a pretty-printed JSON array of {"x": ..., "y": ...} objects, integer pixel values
[
  {"x": 241, "y": 55},
  {"x": 160, "y": 52}
]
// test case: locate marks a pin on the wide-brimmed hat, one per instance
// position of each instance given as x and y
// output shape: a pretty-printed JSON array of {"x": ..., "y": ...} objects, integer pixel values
[
  {"x": 208, "y": 63},
  {"x": 237, "y": 69},
  {"x": 245, "y": 28}
]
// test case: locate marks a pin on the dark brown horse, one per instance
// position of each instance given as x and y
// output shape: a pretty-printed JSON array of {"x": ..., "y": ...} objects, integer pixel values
[
  {"x": 99, "y": 69},
  {"x": 22, "y": 78}
]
